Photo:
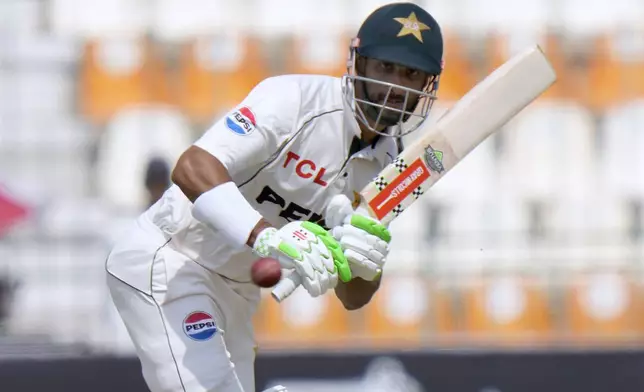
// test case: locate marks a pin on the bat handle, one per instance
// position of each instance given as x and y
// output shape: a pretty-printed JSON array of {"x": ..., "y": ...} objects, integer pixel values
[{"x": 286, "y": 287}]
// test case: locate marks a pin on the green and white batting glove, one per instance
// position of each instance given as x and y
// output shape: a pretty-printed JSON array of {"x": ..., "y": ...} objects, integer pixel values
[
  {"x": 310, "y": 251},
  {"x": 364, "y": 240}
]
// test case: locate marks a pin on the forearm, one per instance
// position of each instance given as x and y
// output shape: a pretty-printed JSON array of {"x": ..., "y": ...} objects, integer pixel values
[
  {"x": 197, "y": 172},
  {"x": 356, "y": 293},
  {"x": 217, "y": 201}
]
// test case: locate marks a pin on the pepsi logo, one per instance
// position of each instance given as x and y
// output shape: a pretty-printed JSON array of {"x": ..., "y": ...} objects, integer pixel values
[
  {"x": 242, "y": 121},
  {"x": 199, "y": 326}
]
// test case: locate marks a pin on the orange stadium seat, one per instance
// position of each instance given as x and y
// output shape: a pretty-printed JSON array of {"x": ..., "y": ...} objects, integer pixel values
[
  {"x": 604, "y": 307},
  {"x": 577, "y": 79},
  {"x": 398, "y": 313},
  {"x": 324, "y": 55},
  {"x": 499, "y": 50},
  {"x": 458, "y": 76},
  {"x": 604, "y": 76},
  {"x": 496, "y": 51},
  {"x": 217, "y": 73},
  {"x": 617, "y": 76},
  {"x": 506, "y": 310},
  {"x": 446, "y": 323},
  {"x": 302, "y": 321},
  {"x": 116, "y": 74},
  {"x": 500, "y": 47}
]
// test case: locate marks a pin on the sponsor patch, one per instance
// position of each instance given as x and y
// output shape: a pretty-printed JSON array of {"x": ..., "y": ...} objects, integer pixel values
[
  {"x": 241, "y": 121},
  {"x": 199, "y": 326}
]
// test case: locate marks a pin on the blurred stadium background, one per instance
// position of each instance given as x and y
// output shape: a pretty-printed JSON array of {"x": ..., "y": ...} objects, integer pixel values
[{"x": 533, "y": 244}]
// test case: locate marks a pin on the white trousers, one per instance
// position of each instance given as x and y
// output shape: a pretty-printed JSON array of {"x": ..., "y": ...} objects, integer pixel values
[{"x": 192, "y": 332}]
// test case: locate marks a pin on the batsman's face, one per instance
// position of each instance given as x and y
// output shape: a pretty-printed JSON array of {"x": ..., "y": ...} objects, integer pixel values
[{"x": 395, "y": 74}]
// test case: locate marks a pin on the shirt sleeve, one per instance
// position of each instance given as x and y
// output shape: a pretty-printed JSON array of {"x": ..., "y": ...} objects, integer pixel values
[{"x": 252, "y": 131}]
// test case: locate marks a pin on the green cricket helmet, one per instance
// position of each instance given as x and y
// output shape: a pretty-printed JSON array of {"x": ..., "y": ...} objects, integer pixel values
[{"x": 403, "y": 34}]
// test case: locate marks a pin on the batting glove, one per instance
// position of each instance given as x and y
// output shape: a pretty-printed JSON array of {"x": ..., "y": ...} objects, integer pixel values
[
  {"x": 309, "y": 250},
  {"x": 364, "y": 240}
]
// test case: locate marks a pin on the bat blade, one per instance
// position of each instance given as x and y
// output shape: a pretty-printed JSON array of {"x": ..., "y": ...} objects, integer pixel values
[
  {"x": 441, "y": 145},
  {"x": 479, "y": 113}
]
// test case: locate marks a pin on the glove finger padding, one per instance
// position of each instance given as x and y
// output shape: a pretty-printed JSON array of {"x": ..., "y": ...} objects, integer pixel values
[
  {"x": 325, "y": 279},
  {"x": 313, "y": 286},
  {"x": 357, "y": 246},
  {"x": 369, "y": 225},
  {"x": 362, "y": 267},
  {"x": 290, "y": 259},
  {"x": 337, "y": 263},
  {"x": 359, "y": 240},
  {"x": 310, "y": 251}
]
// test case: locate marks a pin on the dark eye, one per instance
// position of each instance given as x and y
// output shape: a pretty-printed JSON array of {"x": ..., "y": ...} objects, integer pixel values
[
  {"x": 386, "y": 66},
  {"x": 413, "y": 73}
]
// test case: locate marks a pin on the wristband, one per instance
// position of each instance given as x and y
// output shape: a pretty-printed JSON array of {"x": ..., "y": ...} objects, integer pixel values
[{"x": 225, "y": 210}]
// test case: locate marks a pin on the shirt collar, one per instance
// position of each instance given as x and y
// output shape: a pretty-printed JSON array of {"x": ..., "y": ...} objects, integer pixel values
[{"x": 384, "y": 151}]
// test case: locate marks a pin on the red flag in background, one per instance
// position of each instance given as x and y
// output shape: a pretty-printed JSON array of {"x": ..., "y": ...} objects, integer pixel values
[{"x": 11, "y": 212}]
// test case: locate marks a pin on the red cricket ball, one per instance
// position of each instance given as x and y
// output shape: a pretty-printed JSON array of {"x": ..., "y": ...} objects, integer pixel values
[{"x": 266, "y": 272}]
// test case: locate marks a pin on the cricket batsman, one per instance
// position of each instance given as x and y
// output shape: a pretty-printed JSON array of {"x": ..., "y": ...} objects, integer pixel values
[{"x": 275, "y": 177}]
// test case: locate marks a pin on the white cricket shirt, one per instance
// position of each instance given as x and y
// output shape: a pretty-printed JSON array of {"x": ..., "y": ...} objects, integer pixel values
[{"x": 286, "y": 146}]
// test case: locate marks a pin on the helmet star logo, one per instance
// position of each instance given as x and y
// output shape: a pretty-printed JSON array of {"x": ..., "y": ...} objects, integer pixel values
[{"x": 411, "y": 25}]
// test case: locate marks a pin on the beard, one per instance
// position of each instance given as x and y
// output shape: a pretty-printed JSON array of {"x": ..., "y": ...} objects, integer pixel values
[{"x": 388, "y": 117}]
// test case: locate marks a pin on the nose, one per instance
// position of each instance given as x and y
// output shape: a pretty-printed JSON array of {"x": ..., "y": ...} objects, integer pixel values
[{"x": 397, "y": 78}]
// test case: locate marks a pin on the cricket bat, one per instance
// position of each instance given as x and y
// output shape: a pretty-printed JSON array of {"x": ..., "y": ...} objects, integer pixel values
[{"x": 442, "y": 145}]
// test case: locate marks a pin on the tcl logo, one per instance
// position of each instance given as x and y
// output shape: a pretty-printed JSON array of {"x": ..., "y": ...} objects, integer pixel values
[{"x": 305, "y": 168}]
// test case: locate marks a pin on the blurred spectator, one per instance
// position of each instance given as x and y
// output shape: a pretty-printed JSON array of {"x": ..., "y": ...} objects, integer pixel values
[
  {"x": 157, "y": 179},
  {"x": 132, "y": 140},
  {"x": 8, "y": 288}
]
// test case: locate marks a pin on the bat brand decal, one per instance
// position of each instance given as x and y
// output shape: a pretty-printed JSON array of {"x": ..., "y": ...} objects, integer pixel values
[
  {"x": 434, "y": 159},
  {"x": 401, "y": 187}
]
